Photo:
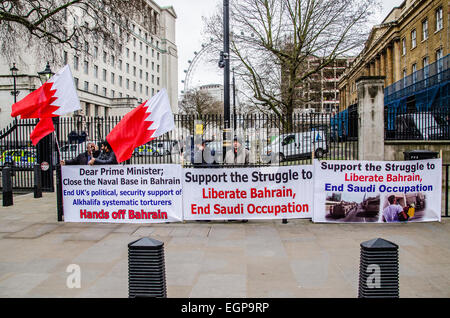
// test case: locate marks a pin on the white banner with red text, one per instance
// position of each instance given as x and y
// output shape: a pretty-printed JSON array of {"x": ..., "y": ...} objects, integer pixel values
[
  {"x": 122, "y": 194},
  {"x": 248, "y": 193},
  {"x": 377, "y": 191}
]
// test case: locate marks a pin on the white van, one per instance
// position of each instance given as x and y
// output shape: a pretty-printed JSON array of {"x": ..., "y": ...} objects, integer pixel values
[
  {"x": 420, "y": 126},
  {"x": 297, "y": 145}
]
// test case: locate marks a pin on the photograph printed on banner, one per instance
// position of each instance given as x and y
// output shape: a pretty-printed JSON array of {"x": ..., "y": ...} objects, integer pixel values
[
  {"x": 352, "y": 207},
  {"x": 404, "y": 207}
]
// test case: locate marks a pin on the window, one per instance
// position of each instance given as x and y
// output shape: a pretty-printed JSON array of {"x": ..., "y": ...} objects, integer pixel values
[
  {"x": 425, "y": 63},
  {"x": 75, "y": 62},
  {"x": 157, "y": 81},
  {"x": 95, "y": 52},
  {"x": 86, "y": 86},
  {"x": 95, "y": 89},
  {"x": 134, "y": 42},
  {"x": 146, "y": 76},
  {"x": 414, "y": 72},
  {"x": 76, "y": 82},
  {"x": 157, "y": 56},
  {"x": 134, "y": 70},
  {"x": 413, "y": 39},
  {"x": 128, "y": 52},
  {"x": 113, "y": 93},
  {"x": 134, "y": 56},
  {"x": 128, "y": 68},
  {"x": 120, "y": 80},
  {"x": 146, "y": 62},
  {"x": 140, "y": 59},
  {"x": 153, "y": 66},
  {"x": 104, "y": 57},
  {"x": 140, "y": 74},
  {"x": 113, "y": 76},
  {"x": 140, "y": 46},
  {"x": 104, "y": 74},
  {"x": 440, "y": 63},
  {"x": 146, "y": 90},
  {"x": 86, "y": 67},
  {"x": 134, "y": 86},
  {"x": 146, "y": 49},
  {"x": 95, "y": 71},
  {"x": 424, "y": 30},
  {"x": 65, "y": 58},
  {"x": 439, "y": 19},
  {"x": 140, "y": 88},
  {"x": 128, "y": 83},
  {"x": 403, "y": 46},
  {"x": 104, "y": 91},
  {"x": 153, "y": 79},
  {"x": 112, "y": 60},
  {"x": 86, "y": 47},
  {"x": 157, "y": 68}
]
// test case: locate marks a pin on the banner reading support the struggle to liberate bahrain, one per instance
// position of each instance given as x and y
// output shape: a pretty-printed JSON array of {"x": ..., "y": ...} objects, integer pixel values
[
  {"x": 377, "y": 191},
  {"x": 122, "y": 194},
  {"x": 248, "y": 193}
]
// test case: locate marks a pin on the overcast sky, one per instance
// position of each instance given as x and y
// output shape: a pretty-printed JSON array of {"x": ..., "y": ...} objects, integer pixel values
[{"x": 189, "y": 35}]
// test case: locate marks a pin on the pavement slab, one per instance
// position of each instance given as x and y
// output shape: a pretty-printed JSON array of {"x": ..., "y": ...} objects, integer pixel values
[{"x": 211, "y": 259}]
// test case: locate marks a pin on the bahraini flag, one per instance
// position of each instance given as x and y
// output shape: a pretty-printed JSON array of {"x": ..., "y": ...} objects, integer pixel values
[{"x": 146, "y": 122}]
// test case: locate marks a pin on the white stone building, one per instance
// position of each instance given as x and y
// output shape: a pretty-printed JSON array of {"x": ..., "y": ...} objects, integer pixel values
[{"x": 109, "y": 83}]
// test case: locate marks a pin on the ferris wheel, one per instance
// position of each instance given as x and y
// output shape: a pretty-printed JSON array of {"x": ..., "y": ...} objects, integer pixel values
[{"x": 194, "y": 64}]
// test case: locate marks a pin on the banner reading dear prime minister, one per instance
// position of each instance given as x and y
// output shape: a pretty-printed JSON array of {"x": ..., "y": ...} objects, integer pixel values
[
  {"x": 248, "y": 193},
  {"x": 122, "y": 193},
  {"x": 377, "y": 191}
]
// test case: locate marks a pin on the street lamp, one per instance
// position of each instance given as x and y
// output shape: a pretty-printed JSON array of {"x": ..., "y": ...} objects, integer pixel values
[
  {"x": 14, "y": 70},
  {"x": 46, "y": 74}
]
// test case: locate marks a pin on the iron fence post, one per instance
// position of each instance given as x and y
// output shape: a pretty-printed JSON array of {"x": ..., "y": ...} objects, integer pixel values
[
  {"x": 59, "y": 196},
  {"x": 7, "y": 186},
  {"x": 37, "y": 181}
]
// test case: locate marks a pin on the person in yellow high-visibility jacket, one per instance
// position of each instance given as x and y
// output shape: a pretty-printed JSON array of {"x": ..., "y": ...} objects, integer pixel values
[{"x": 411, "y": 210}]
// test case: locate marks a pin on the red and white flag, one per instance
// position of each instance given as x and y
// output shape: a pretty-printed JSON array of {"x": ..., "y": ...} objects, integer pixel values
[
  {"x": 43, "y": 128},
  {"x": 56, "y": 97},
  {"x": 149, "y": 120}
]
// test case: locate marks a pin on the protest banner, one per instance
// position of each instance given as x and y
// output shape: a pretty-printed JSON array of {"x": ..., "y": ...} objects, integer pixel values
[
  {"x": 248, "y": 193},
  {"x": 122, "y": 194},
  {"x": 377, "y": 191}
]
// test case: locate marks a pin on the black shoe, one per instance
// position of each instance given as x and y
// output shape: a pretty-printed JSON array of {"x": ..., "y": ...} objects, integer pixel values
[{"x": 244, "y": 221}]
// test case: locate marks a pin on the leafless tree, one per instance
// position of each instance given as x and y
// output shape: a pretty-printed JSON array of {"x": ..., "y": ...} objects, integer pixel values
[
  {"x": 272, "y": 41},
  {"x": 49, "y": 26},
  {"x": 198, "y": 102}
]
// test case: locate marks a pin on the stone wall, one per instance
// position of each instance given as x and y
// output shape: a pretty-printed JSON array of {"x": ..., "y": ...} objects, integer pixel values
[{"x": 393, "y": 150}]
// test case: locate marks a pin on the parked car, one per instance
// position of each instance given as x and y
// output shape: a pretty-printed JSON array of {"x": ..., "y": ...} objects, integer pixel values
[
  {"x": 147, "y": 150},
  {"x": 164, "y": 147},
  {"x": 70, "y": 151},
  {"x": 297, "y": 145},
  {"x": 18, "y": 157},
  {"x": 418, "y": 126}
]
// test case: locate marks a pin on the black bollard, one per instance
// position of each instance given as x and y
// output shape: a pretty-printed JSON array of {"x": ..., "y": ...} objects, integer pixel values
[
  {"x": 146, "y": 269},
  {"x": 37, "y": 181},
  {"x": 378, "y": 270},
  {"x": 59, "y": 195},
  {"x": 7, "y": 186}
]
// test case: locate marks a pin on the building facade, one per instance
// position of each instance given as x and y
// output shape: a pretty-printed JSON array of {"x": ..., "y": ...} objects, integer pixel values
[
  {"x": 109, "y": 82},
  {"x": 321, "y": 93},
  {"x": 410, "y": 38}
]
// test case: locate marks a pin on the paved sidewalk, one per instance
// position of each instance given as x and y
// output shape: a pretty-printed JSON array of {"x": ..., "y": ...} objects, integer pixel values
[{"x": 216, "y": 259}]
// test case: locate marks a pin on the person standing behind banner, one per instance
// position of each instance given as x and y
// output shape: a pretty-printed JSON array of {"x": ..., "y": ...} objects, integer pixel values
[
  {"x": 391, "y": 212},
  {"x": 106, "y": 157},
  {"x": 92, "y": 151},
  {"x": 238, "y": 154}
]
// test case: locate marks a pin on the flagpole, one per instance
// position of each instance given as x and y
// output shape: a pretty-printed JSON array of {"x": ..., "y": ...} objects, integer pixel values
[{"x": 57, "y": 146}]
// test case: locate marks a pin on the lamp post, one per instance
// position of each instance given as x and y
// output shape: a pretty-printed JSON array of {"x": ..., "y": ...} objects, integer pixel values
[
  {"x": 234, "y": 102},
  {"x": 14, "y": 70},
  {"x": 46, "y": 74},
  {"x": 45, "y": 148}
]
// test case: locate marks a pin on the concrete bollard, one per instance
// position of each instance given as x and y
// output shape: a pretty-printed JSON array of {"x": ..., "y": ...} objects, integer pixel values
[
  {"x": 378, "y": 270},
  {"x": 146, "y": 269},
  {"x": 37, "y": 181},
  {"x": 7, "y": 186}
]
